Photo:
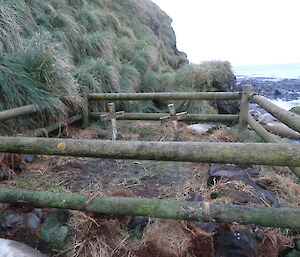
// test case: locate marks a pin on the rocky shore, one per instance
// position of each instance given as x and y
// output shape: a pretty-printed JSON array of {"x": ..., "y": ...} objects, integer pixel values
[{"x": 272, "y": 88}]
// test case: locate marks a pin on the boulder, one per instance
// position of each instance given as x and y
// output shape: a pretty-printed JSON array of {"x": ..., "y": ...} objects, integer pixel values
[
  {"x": 11, "y": 219},
  {"x": 10, "y": 248},
  {"x": 31, "y": 221},
  {"x": 54, "y": 229}
]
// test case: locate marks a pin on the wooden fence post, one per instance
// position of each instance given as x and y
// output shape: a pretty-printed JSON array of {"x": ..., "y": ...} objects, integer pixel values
[
  {"x": 174, "y": 117},
  {"x": 244, "y": 109},
  {"x": 85, "y": 108}
]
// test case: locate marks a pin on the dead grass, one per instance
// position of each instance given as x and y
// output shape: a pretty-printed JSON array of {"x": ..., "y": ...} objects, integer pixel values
[
  {"x": 282, "y": 185},
  {"x": 108, "y": 235},
  {"x": 100, "y": 234}
]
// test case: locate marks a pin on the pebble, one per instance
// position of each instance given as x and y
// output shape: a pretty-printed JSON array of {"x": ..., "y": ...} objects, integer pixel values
[{"x": 28, "y": 158}]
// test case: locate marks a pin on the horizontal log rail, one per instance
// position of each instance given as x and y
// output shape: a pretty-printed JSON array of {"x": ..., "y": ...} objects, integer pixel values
[
  {"x": 52, "y": 127},
  {"x": 208, "y": 152},
  {"x": 157, "y": 116},
  {"x": 169, "y": 209},
  {"x": 17, "y": 112},
  {"x": 167, "y": 96},
  {"x": 289, "y": 118}
]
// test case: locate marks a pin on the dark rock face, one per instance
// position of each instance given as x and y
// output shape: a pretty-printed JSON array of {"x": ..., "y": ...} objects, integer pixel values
[
  {"x": 235, "y": 244},
  {"x": 227, "y": 107},
  {"x": 229, "y": 85}
]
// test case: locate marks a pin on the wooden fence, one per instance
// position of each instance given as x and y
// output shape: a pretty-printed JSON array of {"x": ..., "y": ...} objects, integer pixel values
[{"x": 274, "y": 153}]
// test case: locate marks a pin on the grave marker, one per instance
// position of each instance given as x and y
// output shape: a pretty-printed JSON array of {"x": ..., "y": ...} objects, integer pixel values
[{"x": 112, "y": 116}]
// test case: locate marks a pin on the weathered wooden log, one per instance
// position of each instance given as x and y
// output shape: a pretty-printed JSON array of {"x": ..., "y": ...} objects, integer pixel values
[
  {"x": 167, "y": 96},
  {"x": 157, "y": 116},
  {"x": 55, "y": 126},
  {"x": 268, "y": 137},
  {"x": 85, "y": 109},
  {"x": 169, "y": 209},
  {"x": 261, "y": 131},
  {"x": 209, "y": 152},
  {"x": 289, "y": 118},
  {"x": 244, "y": 108},
  {"x": 17, "y": 112}
]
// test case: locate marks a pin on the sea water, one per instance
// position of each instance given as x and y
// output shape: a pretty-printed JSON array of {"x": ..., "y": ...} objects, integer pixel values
[{"x": 275, "y": 72}]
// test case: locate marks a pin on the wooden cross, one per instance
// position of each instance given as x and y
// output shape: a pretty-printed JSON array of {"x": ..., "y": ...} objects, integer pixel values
[
  {"x": 112, "y": 116},
  {"x": 174, "y": 117}
]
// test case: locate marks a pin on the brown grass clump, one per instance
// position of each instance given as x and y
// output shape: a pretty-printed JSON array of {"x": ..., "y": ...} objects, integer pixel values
[
  {"x": 10, "y": 164},
  {"x": 273, "y": 242},
  {"x": 287, "y": 190},
  {"x": 221, "y": 134},
  {"x": 100, "y": 234},
  {"x": 171, "y": 238}
]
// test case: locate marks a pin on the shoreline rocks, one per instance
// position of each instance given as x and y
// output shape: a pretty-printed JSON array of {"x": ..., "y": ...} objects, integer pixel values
[{"x": 284, "y": 89}]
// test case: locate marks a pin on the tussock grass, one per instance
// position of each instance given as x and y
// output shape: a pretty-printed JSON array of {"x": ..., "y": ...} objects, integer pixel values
[
  {"x": 10, "y": 29},
  {"x": 60, "y": 47},
  {"x": 130, "y": 80},
  {"x": 104, "y": 73},
  {"x": 150, "y": 82},
  {"x": 97, "y": 45},
  {"x": 49, "y": 65},
  {"x": 18, "y": 88}
]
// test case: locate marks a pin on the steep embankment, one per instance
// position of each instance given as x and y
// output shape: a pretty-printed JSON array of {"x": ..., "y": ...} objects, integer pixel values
[{"x": 50, "y": 51}]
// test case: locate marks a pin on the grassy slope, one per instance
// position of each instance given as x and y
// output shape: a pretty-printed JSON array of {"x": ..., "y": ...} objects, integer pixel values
[{"x": 50, "y": 50}]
